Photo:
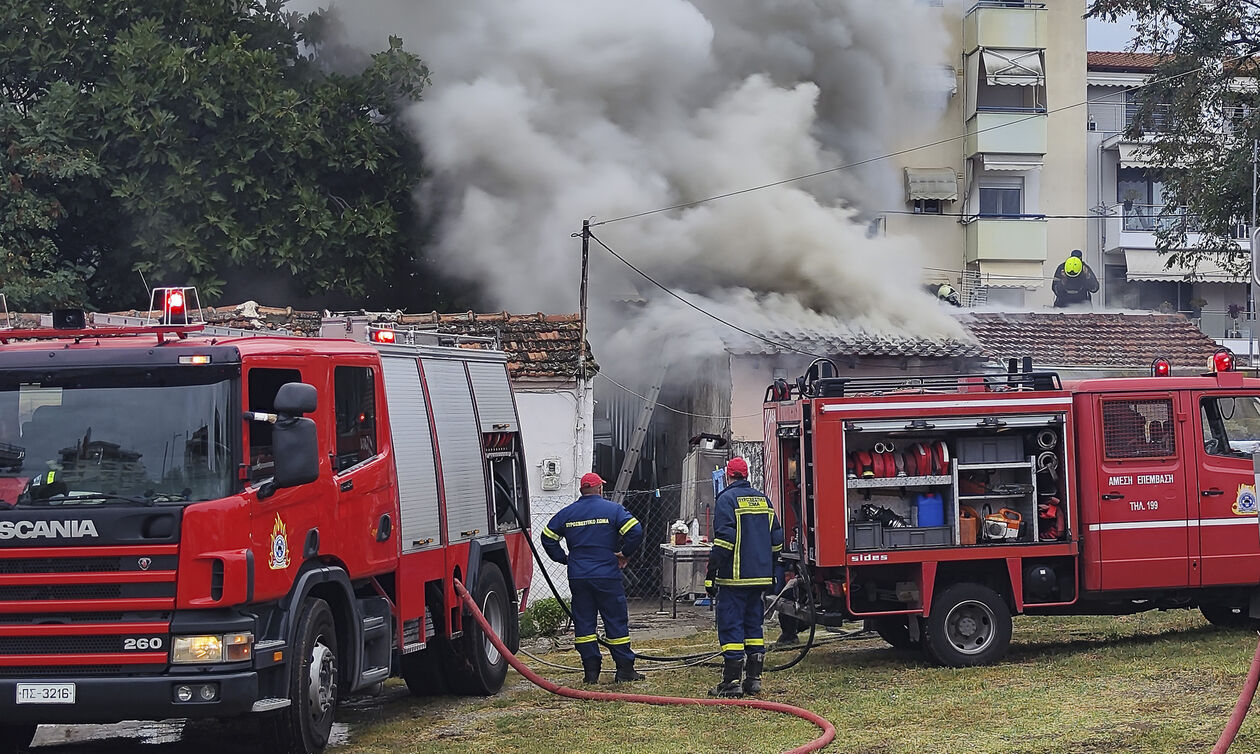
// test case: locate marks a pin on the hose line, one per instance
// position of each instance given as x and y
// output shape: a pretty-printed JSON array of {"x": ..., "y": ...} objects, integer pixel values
[{"x": 828, "y": 730}]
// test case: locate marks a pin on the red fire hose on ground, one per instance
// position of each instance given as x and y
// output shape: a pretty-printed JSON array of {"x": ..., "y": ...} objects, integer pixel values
[
  {"x": 829, "y": 730},
  {"x": 1240, "y": 709}
]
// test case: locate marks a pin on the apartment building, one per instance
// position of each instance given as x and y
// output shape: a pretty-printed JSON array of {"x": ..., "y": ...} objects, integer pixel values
[
  {"x": 988, "y": 204},
  {"x": 1126, "y": 192}
]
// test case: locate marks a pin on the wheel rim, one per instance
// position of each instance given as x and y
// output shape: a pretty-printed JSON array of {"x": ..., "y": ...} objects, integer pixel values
[
  {"x": 970, "y": 627},
  {"x": 322, "y": 679},
  {"x": 492, "y": 608}
]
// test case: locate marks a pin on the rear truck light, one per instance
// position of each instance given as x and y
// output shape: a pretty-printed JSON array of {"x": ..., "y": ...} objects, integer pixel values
[
  {"x": 835, "y": 588},
  {"x": 205, "y": 650}
]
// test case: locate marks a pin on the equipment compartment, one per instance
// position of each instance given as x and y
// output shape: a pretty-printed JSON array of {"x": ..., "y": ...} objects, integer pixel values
[{"x": 918, "y": 536}]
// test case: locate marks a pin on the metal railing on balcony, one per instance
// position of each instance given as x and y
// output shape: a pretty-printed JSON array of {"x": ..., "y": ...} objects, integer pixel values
[{"x": 1152, "y": 218}]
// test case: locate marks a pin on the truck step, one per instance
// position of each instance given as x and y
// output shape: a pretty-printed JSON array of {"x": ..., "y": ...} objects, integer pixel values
[
  {"x": 373, "y": 675},
  {"x": 270, "y": 705}
]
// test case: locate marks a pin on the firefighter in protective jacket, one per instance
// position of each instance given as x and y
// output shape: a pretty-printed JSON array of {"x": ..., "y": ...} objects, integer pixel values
[
  {"x": 747, "y": 539},
  {"x": 601, "y": 535}
]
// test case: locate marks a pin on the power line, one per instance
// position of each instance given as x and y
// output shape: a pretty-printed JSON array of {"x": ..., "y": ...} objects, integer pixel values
[
  {"x": 671, "y": 408},
  {"x": 706, "y": 313},
  {"x": 867, "y": 161}
]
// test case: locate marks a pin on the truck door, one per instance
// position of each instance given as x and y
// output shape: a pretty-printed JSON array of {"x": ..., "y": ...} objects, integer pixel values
[
  {"x": 360, "y": 469},
  {"x": 1228, "y": 431},
  {"x": 1140, "y": 533}
]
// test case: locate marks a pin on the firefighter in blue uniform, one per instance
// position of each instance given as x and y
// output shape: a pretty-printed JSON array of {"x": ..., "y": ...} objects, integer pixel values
[
  {"x": 747, "y": 539},
  {"x": 601, "y": 535}
]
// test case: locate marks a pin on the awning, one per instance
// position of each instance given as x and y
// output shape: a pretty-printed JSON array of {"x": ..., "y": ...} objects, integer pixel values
[
  {"x": 1135, "y": 156},
  {"x": 931, "y": 183},
  {"x": 997, "y": 161},
  {"x": 1014, "y": 67},
  {"x": 1149, "y": 265},
  {"x": 1021, "y": 273}
]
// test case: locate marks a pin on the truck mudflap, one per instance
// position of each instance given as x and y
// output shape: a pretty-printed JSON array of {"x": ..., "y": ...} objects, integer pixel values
[{"x": 111, "y": 700}]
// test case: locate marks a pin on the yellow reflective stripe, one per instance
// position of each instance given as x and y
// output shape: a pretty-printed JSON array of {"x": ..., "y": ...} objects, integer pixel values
[
  {"x": 732, "y": 647},
  {"x": 585, "y": 639},
  {"x": 723, "y": 544},
  {"x": 622, "y": 640},
  {"x": 754, "y": 642},
  {"x": 549, "y": 533},
  {"x": 633, "y": 522},
  {"x": 708, "y": 583},
  {"x": 776, "y": 548},
  {"x": 767, "y": 581},
  {"x": 51, "y": 475}
]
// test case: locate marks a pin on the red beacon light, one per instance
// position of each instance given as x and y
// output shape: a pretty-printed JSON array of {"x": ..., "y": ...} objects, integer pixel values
[
  {"x": 384, "y": 336},
  {"x": 1161, "y": 367},
  {"x": 1223, "y": 360},
  {"x": 178, "y": 306}
]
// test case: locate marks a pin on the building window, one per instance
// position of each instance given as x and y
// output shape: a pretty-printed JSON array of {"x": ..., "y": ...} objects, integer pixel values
[
  {"x": 927, "y": 206},
  {"x": 1001, "y": 201},
  {"x": 354, "y": 393}
]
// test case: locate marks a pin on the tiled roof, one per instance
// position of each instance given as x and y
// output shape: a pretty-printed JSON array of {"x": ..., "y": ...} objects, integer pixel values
[
  {"x": 851, "y": 343},
  {"x": 537, "y": 345},
  {"x": 1091, "y": 340},
  {"x": 1122, "y": 62}
]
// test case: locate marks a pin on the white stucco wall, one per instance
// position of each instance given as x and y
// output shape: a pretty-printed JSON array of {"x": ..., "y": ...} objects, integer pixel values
[{"x": 555, "y": 424}]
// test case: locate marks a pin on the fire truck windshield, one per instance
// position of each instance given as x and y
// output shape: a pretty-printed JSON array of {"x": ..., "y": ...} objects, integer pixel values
[{"x": 102, "y": 441}]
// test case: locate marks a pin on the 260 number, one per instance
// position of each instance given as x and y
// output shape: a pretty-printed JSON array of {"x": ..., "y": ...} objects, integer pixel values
[{"x": 142, "y": 644}]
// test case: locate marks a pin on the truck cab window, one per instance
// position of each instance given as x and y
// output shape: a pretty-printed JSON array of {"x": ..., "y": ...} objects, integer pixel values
[
  {"x": 263, "y": 385},
  {"x": 1138, "y": 428},
  {"x": 354, "y": 392},
  {"x": 1231, "y": 425}
]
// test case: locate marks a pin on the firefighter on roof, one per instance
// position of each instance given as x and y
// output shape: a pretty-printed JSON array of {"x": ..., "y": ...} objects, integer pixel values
[
  {"x": 1074, "y": 282},
  {"x": 747, "y": 539},
  {"x": 601, "y": 535}
]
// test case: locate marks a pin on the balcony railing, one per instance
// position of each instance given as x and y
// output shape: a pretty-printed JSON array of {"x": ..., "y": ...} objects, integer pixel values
[
  {"x": 1153, "y": 218},
  {"x": 1013, "y": 24},
  {"x": 1006, "y": 238},
  {"x": 1007, "y": 131}
]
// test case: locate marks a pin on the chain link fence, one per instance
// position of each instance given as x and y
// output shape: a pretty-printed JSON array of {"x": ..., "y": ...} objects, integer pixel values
[{"x": 656, "y": 511}]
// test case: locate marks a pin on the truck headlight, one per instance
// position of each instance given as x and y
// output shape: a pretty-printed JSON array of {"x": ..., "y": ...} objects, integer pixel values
[{"x": 202, "y": 650}]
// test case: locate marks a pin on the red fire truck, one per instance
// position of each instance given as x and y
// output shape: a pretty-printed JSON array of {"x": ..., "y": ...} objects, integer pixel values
[
  {"x": 209, "y": 524},
  {"x": 935, "y": 508}
]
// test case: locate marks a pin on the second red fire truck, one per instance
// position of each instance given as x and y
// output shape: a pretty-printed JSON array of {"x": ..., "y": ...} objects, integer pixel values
[
  {"x": 211, "y": 524},
  {"x": 936, "y": 508}
]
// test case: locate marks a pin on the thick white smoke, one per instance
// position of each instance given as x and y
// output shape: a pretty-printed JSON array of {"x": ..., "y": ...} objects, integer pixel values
[{"x": 543, "y": 112}]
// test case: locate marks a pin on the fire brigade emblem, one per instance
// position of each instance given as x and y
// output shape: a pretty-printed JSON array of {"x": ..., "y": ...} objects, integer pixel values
[
  {"x": 279, "y": 546},
  {"x": 1245, "y": 505}
]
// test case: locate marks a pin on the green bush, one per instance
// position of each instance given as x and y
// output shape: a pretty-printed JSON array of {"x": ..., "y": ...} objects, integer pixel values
[{"x": 543, "y": 618}]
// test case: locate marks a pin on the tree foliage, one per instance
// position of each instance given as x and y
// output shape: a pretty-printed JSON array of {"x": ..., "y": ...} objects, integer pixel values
[
  {"x": 1199, "y": 116},
  {"x": 191, "y": 141}
]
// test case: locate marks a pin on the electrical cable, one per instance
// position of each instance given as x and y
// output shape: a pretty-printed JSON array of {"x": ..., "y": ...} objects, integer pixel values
[
  {"x": 828, "y": 730},
  {"x": 937, "y": 143},
  {"x": 709, "y": 314},
  {"x": 671, "y": 408}
]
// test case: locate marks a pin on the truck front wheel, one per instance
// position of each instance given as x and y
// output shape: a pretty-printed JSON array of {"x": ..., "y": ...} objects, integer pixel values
[
  {"x": 970, "y": 624},
  {"x": 478, "y": 668},
  {"x": 16, "y": 738},
  {"x": 306, "y": 724}
]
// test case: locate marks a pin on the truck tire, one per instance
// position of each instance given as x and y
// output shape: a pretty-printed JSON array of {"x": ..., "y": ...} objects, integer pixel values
[
  {"x": 970, "y": 625},
  {"x": 16, "y": 738},
  {"x": 1226, "y": 616},
  {"x": 305, "y": 725},
  {"x": 894, "y": 629},
  {"x": 476, "y": 667}
]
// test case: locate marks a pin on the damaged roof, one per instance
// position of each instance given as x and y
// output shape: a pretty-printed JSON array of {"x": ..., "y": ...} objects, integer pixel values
[
  {"x": 1061, "y": 339},
  {"x": 857, "y": 343},
  {"x": 538, "y": 346}
]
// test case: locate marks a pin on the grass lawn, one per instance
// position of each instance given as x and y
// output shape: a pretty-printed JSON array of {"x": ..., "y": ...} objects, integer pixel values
[{"x": 1155, "y": 682}]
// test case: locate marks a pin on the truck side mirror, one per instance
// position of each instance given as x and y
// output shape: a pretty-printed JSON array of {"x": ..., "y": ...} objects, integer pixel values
[
  {"x": 296, "y": 451},
  {"x": 295, "y": 399}
]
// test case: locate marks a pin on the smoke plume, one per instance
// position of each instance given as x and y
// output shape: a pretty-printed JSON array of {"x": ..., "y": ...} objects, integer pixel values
[{"x": 544, "y": 112}]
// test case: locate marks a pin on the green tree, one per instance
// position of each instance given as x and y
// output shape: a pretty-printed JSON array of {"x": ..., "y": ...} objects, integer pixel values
[
  {"x": 1198, "y": 117},
  {"x": 198, "y": 140}
]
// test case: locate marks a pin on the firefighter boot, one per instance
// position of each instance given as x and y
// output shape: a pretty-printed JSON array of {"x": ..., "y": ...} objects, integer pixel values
[
  {"x": 752, "y": 680},
  {"x": 590, "y": 669},
  {"x": 731, "y": 671},
  {"x": 626, "y": 672}
]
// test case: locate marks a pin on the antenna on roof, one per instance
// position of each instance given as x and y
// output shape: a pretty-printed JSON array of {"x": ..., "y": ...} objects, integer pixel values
[{"x": 147, "y": 290}]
